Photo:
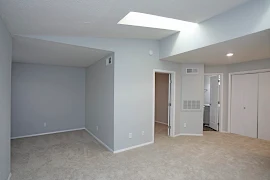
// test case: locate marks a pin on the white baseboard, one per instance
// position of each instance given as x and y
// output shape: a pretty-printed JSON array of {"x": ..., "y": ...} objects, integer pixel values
[
  {"x": 186, "y": 134},
  {"x": 9, "y": 177},
  {"x": 121, "y": 150},
  {"x": 133, "y": 147},
  {"x": 107, "y": 147},
  {"x": 41, "y": 134},
  {"x": 161, "y": 123},
  {"x": 102, "y": 143}
]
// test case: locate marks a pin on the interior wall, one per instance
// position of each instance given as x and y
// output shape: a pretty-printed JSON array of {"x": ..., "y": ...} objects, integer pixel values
[
  {"x": 207, "y": 89},
  {"x": 54, "y": 95},
  {"x": 100, "y": 101},
  {"x": 134, "y": 91},
  {"x": 5, "y": 95},
  {"x": 133, "y": 86},
  {"x": 161, "y": 97},
  {"x": 192, "y": 89},
  {"x": 226, "y": 69}
]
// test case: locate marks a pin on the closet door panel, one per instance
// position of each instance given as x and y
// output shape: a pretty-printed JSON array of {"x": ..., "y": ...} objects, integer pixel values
[
  {"x": 264, "y": 106},
  {"x": 244, "y": 105},
  {"x": 251, "y": 105},
  {"x": 237, "y": 104}
]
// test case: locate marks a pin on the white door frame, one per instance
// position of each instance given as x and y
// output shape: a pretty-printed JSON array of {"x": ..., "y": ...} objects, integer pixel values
[
  {"x": 220, "y": 98},
  {"x": 172, "y": 115},
  {"x": 230, "y": 90}
]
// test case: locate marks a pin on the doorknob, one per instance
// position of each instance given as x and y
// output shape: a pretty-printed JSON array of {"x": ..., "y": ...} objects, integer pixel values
[{"x": 244, "y": 107}]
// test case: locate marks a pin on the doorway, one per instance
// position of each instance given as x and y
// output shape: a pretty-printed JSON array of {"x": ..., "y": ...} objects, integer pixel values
[
  {"x": 163, "y": 115},
  {"x": 212, "y": 102}
]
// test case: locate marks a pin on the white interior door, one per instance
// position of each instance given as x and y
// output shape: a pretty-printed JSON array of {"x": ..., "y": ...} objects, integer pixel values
[
  {"x": 264, "y": 106},
  {"x": 169, "y": 106},
  {"x": 214, "y": 99},
  {"x": 244, "y": 105}
]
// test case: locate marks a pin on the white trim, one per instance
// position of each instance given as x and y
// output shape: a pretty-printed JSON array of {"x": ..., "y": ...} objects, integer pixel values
[
  {"x": 229, "y": 102},
  {"x": 121, "y": 150},
  {"x": 133, "y": 147},
  {"x": 161, "y": 123},
  {"x": 186, "y": 134},
  {"x": 101, "y": 142},
  {"x": 251, "y": 71},
  {"x": 230, "y": 90},
  {"x": 172, "y": 123},
  {"x": 9, "y": 177},
  {"x": 42, "y": 134},
  {"x": 220, "y": 96}
]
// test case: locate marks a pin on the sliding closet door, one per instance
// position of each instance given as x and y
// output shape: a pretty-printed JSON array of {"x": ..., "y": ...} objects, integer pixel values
[
  {"x": 264, "y": 106},
  {"x": 244, "y": 105}
]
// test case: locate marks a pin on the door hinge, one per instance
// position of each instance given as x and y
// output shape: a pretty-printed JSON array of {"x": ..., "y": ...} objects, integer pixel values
[
  {"x": 170, "y": 104},
  {"x": 169, "y": 127}
]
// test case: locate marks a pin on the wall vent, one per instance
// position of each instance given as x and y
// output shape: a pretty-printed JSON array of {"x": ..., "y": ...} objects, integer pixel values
[
  {"x": 191, "y": 105},
  {"x": 192, "y": 71},
  {"x": 109, "y": 61}
]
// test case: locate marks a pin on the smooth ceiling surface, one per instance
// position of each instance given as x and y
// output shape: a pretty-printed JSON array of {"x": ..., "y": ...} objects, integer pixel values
[
  {"x": 247, "y": 48},
  {"x": 28, "y": 50},
  {"x": 99, "y": 17}
]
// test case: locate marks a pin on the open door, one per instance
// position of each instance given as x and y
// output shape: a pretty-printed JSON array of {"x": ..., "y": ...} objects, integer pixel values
[
  {"x": 169, "y": 105},
  {"x": 214, "y": 102}
]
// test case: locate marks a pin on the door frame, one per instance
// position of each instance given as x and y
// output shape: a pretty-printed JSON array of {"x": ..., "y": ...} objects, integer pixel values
[
  {"x": 172, "y": 113},
  {"x": 220, "y": 116},
  {"x": 230, "y": 89}
]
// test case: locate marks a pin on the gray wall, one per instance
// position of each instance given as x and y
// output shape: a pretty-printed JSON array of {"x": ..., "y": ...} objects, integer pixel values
[
  {"x": 192, "y": 89},
  {"x": 100, "y": 101},
  {"x": 133, "y": 87},
  {"x": 226, "y": 69},
  {"x": 5, "y": 90},
  {"x": 54, "y": 95},
  {"x": 133, "y": 96},
  {"x": 251, "y": 65}
]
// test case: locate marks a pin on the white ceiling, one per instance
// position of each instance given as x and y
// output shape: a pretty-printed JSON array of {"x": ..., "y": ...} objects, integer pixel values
[
  {"x": 99, "y": 17},
  {"x": 28, "y": 50},
  {"x": 247, "y": 48}
]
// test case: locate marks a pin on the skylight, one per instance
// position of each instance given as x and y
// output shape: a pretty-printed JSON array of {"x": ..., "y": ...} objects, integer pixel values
[{"x": 152, "y": 21}]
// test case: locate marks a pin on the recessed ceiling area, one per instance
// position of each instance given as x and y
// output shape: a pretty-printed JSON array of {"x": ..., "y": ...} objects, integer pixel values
[
  {"x": 99, "y": 18},
  {"x": 29, "y": 50},
  {"x": 247, "y": 48}
]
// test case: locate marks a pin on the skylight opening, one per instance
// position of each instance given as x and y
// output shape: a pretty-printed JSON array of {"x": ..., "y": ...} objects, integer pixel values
[{"x": 159, "y": 22}]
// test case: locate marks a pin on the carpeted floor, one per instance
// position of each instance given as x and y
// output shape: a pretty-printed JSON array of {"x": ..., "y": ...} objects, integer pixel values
[
  {"x": 161, "y": 130},
  {"x": 77, "y": 156}
]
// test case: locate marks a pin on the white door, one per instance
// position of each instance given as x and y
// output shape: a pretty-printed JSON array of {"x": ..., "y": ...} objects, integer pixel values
[
  {"x": 214, "y": 102},
  {"x": 264, "y": 106},
  {"x": 169, "y": 106},
  {"x": 244, "y": 105}
]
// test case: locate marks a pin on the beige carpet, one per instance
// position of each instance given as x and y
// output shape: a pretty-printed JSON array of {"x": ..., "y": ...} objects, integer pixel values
[{"x": 77, "y": 156}]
